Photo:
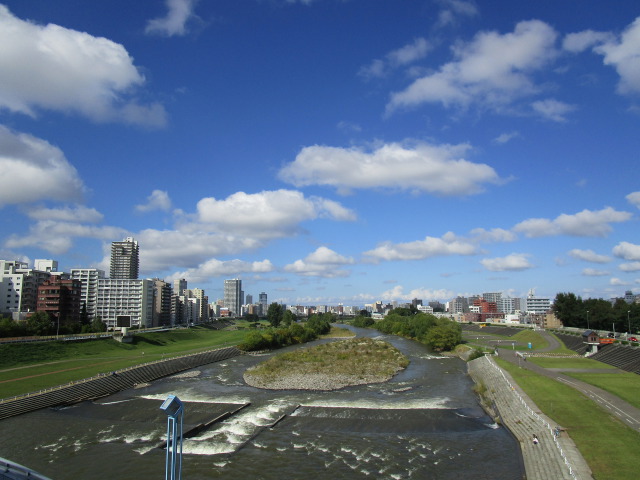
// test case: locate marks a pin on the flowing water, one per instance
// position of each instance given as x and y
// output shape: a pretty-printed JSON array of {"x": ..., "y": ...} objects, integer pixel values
[{"x": 423, "y": 424}]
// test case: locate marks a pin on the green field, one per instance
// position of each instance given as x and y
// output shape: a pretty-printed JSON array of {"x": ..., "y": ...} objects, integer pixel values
[
  {"x": 29, "y": 367},
  {"x": 607, "y": 445},
  {"x": 566, "y": 363}
]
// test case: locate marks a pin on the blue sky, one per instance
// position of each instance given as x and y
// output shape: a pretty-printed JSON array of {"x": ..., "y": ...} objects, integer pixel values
[{"x": 327, "y": 151}]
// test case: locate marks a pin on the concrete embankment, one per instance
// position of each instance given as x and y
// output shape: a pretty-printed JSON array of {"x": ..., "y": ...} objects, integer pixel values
[
  {"x": 553, "y": 457},
  {"x": 111, "y": 383}
]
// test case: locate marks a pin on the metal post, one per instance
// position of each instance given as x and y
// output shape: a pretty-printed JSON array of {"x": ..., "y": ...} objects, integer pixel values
[
  {"x": 174, "y": 409},
  {"x": 628, "y": 323}
]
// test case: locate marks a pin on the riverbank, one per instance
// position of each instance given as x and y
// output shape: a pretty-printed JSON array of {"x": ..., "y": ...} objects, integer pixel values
[{"x": 554, "y": 456}]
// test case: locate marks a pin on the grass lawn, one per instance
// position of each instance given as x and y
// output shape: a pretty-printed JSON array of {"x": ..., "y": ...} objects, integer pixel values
[
  {"x": 624, "y": 385},
  {"x": 28, "y": 367},
  {"x": 338, "y": 332},
  {"x": 577, "y": 362},
  {"x": 607, "y": 445}
]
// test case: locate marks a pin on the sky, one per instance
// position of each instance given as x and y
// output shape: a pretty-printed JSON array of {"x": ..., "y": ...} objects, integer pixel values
[{"x": 327, "y": 151}]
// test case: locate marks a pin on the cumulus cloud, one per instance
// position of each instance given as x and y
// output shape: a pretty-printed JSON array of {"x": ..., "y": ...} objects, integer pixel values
[
  {"x": 269, "y": 213},
  {"x": 621, "y": 52},
  {"x": 493, "y": 70},
  {"x": 436, "y": 169},
  {"x": 76, "y": 214},
  {"x": 512, "y": 262},
  {"x": 592, "y": 272},
  {"x": 634, "y": 199},
  {"x": 179, "y": 12},
  {"x": 589, "y": 256},
  {"x": 579, "y": 42},
  {"x": 627, "y": 251},
  {"x": 449, "y": 244},
  {"x": 494, "y": 235},
  {"x": 630, "y": 267},
  {"x": 323, "y": 262},
  {"x": 27, "y": 160},
  {"x": 217, "y": 268},
  {"x": 397, "y": 293},
  {"x": 552, "y": 109},
  {"x": 57, "y": 236},
  {"x": 55, "y": 68},
  {"x": 617, "y": 282},
  {"x": 397, "y": 58},
  {"x": 583, "y": 224},
  {"x": 158, "y": 200}
]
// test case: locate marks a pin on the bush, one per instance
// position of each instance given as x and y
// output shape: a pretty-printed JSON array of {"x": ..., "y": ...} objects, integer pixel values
[{"x": 477, "y": 353}]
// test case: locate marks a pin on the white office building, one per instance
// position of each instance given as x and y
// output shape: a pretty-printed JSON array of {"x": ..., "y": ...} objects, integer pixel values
[{"x": 233, "y": 296}]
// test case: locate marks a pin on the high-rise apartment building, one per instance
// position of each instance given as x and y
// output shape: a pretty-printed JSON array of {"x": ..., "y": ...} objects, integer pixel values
[
  {"x": 19, "y": 286},
  {"x": 233, "y": 296},
  {"x": 88, "y": 287},
  {"x": 125, "y": 297},
  {"x": 179, "y": 286},
  {"x": 262, "y": 300},
  {"x": 125, "y": 260}
]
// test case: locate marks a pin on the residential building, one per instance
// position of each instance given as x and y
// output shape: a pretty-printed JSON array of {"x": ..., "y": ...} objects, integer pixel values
[
  {"x": 161, "y": 303},
  {"x": 179, "y": 286},
  {"x": 125, "y": 261},
  {"x": 19, "y": 286},
  {"x": 537, "y": 305},
  {"x": 203, "y": 313},
  {"x": 233, "y": 297},
  {"x": 60, "y": 298},
  {"x": 125, "y": 297},
  {"x": 88, "y": 278},
  {"x": 264, "y": 306}
]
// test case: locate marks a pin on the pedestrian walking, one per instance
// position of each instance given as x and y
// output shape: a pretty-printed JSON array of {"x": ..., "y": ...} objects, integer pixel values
[{"x": 535, "y": 439}]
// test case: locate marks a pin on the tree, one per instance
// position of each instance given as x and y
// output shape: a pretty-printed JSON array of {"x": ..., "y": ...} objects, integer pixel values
[
  {"x": 40, "y": 324},
  {"x": 288, "y": 318},
  {"x": 251, "y": 317},
  {"x": 275, "y": 314},
  {"x": 97, "y": 325},
  {"x": 444, "y": 336},
  {"x": 84, "y": 316}
]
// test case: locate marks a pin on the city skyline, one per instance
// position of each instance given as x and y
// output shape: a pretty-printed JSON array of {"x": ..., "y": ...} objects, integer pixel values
[{"x": 327, "y": 151}]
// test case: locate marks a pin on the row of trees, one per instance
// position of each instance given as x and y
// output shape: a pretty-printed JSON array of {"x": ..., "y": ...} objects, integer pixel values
[
  {"x": 439, "y": 333},
  {"x": 597, "y": 314},
  {"x": 43, "y": 324},
  {"x": 285, "y": 335}
]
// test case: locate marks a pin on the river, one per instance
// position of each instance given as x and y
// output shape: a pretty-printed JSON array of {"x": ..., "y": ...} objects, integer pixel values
[{"x": 423, "y": 424}]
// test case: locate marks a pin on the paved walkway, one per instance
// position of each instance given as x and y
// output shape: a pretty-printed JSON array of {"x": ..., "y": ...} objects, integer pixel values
[
  {"x": 553, "y": 457},
  {"x": 627, "y": 413}
]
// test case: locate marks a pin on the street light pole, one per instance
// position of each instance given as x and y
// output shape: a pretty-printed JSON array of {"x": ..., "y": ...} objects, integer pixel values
[
  {"x": 587, "y": 319},
  {"x": 628, "y": 323}
]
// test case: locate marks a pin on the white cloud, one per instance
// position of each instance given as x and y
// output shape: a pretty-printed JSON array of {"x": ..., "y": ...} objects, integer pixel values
[
  {"x": 57, "y": 236},
  {"x": 583, "y": 224},
  {"x": 552, "y": 109},
  {"x": 27, "y": 160},
  {"x": 492, "y": 70},
  {"x": 452, "y": 9},
  {"x": 323, "y": 262},
  {"x": 158, "y": 200},
  {"x": 589, "y": 256},
  {"x": 627, "y": 251},
  {"x": 273, "y": 214},
  {"x": 630, "y": 267},
  {"x": 217, "y": 268},
  {"x": 75, "y": 214},
  {"x": 175, "y": 22},
  {"x": 624, "y": 56},
  {"x": 494, "y": 235},
  {"x": 512, "y": 262},
  {"x": 397, "y": 293},
  {"x": 439, "y": 169},
  {"x": 506, "y": 137},
  {"x": 421, "y": 249},
  {"x": 396, "y": 58},
  {"x": 55, "y": 68},
  {"x": 634, "y": 199},
  {"x": 579, "y": 42},
  {"x": 592, "y": 272},
  {"x": 618, "y": 282}
]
